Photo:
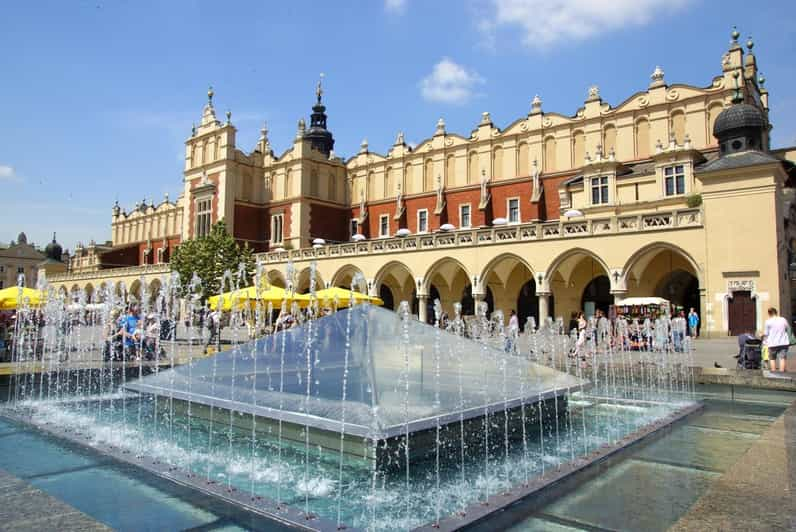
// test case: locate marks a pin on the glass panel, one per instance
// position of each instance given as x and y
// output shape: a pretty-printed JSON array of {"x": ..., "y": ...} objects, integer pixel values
[{"x": 307, "y": 364}]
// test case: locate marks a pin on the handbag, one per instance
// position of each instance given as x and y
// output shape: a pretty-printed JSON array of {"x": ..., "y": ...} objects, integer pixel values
[{"x": 764, "y": 353}]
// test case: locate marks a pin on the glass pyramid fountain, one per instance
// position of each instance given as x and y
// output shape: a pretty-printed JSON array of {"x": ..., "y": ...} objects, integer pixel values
[{"x": 400, "y": 376}]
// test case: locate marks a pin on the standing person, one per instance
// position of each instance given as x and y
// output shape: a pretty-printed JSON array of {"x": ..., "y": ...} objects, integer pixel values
[
  {"x": 128, "y": 332},
  {"x": 693, "y": 323},
  {"x": 678, "y": 326},
  {"x": 776, "y": 338},
  {"x": 573, "y": 322}
]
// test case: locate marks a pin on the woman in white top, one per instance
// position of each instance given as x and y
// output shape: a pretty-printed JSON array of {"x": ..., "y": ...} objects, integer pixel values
[{"x": 777, "y": 339}]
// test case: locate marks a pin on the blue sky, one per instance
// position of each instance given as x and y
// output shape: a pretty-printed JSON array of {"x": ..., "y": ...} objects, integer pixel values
[{"x": 98, "y": 97}]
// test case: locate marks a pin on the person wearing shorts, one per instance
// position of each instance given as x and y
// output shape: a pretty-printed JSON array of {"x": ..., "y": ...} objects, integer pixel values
[{"x": 777, "y": 339}]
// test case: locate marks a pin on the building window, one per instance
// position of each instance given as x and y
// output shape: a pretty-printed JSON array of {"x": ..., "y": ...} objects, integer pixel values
[
  {"x": 384, "y": 225},
  {"x": 464, "y": 216},
  {"x": 2, "y": 284},
  {"x": 2, "y": 269},
  {"x": 277, "y": 223},
  {"x": 203, "y": 210},
  {"x": 599, "y": 190},
  {"x": 354, "y": 226},
  {"x": 20, "y": 269},
  {"x": 422, "y": 221},
  {"x": 514, "y": 210},
  {"x": 674, "y": 180}
]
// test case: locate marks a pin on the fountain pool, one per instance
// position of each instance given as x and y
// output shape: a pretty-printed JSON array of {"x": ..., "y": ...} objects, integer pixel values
[{"x": 363, "y": 419}]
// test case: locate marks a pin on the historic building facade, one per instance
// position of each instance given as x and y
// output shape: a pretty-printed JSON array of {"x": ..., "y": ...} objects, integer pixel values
[{"x": 674, "y": 192}]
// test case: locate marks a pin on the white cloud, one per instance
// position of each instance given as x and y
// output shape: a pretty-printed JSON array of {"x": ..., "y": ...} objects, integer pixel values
[
  {"x": 450, "y": 82},
  {"x": 395, "y": 6},
  {"x": 546, "y": 22},
  {"x": 7, "y": 173}
]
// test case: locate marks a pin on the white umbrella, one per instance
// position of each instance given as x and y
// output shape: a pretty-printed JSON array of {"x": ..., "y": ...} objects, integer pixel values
[
  {"x": 447, "y": 227},
  {"x": 499, "y": 221},
  {"x": 572, "y": 213},
  {"x": 402, "y": 232},
  {"x": 359, "y": 237}
]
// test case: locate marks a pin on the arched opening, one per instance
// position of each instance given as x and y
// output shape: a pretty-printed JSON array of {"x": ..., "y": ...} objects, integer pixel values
[
  {"x": 397, "y": 283},
  {"x": 449, "y": 278},
  {"x": 276, "y": 278},
  {"x": 88, "y": 290},
  {"x": 664, "y": 270},
  {"x": 511, "y": 283},
  {"x": 597, "y": 296},
  {"x": 154, "y": 291},
  {"x": 386, "y": 295},
  {"x": 346, "y": 275},
  {"x": 303, "y": 281},
  {"x": 574, "y": 284}
]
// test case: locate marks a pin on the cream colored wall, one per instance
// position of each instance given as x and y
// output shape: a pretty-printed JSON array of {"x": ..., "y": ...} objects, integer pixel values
[
  {"x": 157, "y": 223},
  {"x": 741, "y": 217}
]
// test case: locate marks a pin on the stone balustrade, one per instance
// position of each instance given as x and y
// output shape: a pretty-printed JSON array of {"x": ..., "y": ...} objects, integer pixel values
[
  {"x": 659, "y": 220},
  {"x": 147, "y": 269}
]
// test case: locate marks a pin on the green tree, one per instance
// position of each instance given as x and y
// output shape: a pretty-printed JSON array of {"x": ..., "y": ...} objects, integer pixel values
[{"x": 210, "y": 258}]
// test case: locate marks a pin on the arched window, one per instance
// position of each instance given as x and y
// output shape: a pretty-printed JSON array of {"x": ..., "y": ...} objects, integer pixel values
[
  {"x": 472, "y": 168},
  {"x": 288, "y": 184},
  {"x": 216, "y": 148},
  {"x": 609, "y": 139},
  {"x": 550, "y": 154},
  {"x": 578, "y": 149},
  {"x": 409, "y": 185},
  {"x": 388, "y": 186},
  {"x": 523, "y": 168},
  {"x": 315, "y": 184},
  {"x": 428, "y": 175},
  {"x": 642, "y": 138},
  {"x": 450, "y": 170},
  {"x": 206, "y": 154},
  {"x": 331, "y": 187},
  {"x": 497, "y": 163},
  {"x": 371, "y": 186},
  {"x": 677, "y": 126}
]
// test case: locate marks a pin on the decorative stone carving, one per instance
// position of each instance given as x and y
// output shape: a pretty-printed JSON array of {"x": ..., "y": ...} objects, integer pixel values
[
  {"x": 594, "y": 93},
  {"x": 399, "y": 203},
  {"x": 536, "y": 105},
  {"x": 440, "y": 197},
  {"x": 657, "y": 78},
  {"x": 537, "y": 190},
  {"x": 484, "y": 201},
  {"x": 740, "y": 285}
]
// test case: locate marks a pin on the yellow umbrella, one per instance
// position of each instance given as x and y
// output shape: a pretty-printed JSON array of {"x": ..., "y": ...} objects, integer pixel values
[
  {"x": 248, "y": 295},
  {"x": 9, "y": 297},
  {"x": 343, "y": 297}
]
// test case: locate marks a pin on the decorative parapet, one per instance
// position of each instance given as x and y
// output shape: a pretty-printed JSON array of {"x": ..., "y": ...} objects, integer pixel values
[
  {"x": 485, "y": 236},
  {"x": 147, "y": 269}
]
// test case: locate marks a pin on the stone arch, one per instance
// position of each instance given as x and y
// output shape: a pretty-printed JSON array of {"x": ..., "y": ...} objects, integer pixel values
[
  {"x": 642, "y": 138},
  {"x": 88, "y": 290},
  {"x": 609, "y": 138},
  {"x": 497, "y": 163},
  {"x": 428, "y": 175},
  {"x": 550, "y": 154},
  {"x": 276, "y": 278},
  {"x": 446, "y": 279},
  {"x": 677, "y": 126},
  {"x": 302, "y": 285},
  {"x": 395, "y": 282},
  {"x": 135, "y": 289},
  {"x": 473, "y": 175},
  {"x": 578, "y": 148},
  {"x": 664, "y": 270},
  {"x": 153, "y": 291},
  {"x": 634, "y": 260},
  {"x": 511, "y": 280},
  {"x": 570, "y": 275},
  {"x": 344, "y": 276}
]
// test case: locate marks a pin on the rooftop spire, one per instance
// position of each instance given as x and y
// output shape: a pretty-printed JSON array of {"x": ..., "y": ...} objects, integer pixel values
[{"x": 319, "y": 88}]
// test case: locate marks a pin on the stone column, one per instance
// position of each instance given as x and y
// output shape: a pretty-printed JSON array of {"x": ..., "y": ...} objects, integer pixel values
[
  {"x": 422, "y": 308},
  {"x": 544, "y": 308}
]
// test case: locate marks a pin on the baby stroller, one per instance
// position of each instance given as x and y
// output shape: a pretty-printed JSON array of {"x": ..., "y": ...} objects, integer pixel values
[{"x": 750, "y": 355}]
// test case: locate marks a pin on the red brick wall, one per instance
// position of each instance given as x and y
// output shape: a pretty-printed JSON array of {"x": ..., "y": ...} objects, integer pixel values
[
  {"x": 329, "y": 222},
  {"x": 415, "y": 204},
  {"x": 471, "y": 196},
  {"x": 522, "y": 190},
  {"x": 250, "y": 223},
  {"x": 126, "y": 256},
  {"x": 371, "y": 229},
  {"x": 550, "y": 200}
]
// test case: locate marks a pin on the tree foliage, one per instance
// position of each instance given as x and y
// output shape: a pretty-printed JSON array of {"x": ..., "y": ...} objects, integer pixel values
[{"x": 213, "y": 258}]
